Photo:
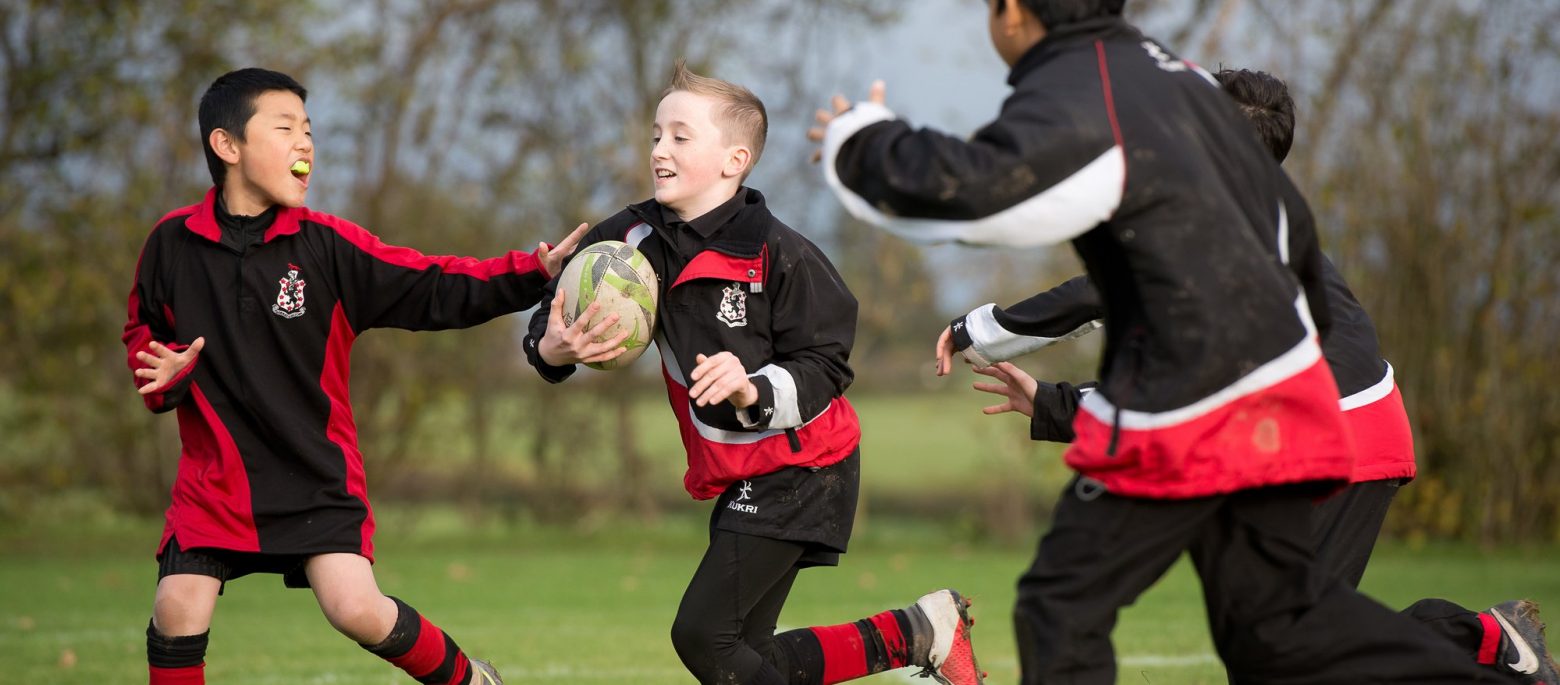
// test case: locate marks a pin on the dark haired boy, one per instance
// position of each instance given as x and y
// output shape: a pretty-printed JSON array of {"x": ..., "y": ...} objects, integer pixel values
[
  {"x": 1112, "y": 142},
  {"x": 755, "y": 328},
  {"x": 242, "y": 318},
  {"x": 1507, "y": 636}
]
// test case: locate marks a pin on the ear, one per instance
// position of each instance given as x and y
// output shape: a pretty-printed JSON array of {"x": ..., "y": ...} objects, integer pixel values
[
  {"x": 1012, "y": 16},
  {"x": 224, "y": 145},
  {"x": 1020, "y": 21},
  {"x": 736, "y": 161}
]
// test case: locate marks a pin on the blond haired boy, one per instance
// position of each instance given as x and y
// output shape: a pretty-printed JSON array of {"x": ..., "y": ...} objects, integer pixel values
[{"x": 755, "y": 331}]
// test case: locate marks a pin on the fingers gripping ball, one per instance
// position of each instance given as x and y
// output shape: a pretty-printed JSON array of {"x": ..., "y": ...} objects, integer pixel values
[{"x": 620, "y": 278}]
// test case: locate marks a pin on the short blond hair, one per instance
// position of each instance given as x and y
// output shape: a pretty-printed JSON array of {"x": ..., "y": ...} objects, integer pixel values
[{"x": 741, "y": 116}]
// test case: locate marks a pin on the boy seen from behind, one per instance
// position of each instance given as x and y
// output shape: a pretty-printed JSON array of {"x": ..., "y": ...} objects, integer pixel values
[
  {"x": 754, "y": 332},
  {"x": 1508, "y": 636},
  {"x": 1216, "y": 421}
]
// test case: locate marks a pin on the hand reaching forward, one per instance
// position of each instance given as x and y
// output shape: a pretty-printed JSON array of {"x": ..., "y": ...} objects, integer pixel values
[
  {"x": 563, "y": 344},
  {"x": 945, "y": 352},
  {"x": 875, "y": 95},
  {"x": 1017, "y": 386},
  {"x": 552, "y": 257},
  {"x": 163, "y": 365},
  {"x": 721, "y": 378}
]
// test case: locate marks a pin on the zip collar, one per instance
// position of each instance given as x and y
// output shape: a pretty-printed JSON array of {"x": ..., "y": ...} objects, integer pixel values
[
  {"x": 204, "y": 221},
  {"x": 742, "y": 236},
  {"x": 1066, "y": 37}
]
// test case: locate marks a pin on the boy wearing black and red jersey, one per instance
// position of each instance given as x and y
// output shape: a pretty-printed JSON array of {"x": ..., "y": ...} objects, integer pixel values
[
  {"x": 241, "y": 319},
  {"x": 754, "y": 330},
  {"x": 1507, "y": 636},
  {"x": 1216, "y": 419}
]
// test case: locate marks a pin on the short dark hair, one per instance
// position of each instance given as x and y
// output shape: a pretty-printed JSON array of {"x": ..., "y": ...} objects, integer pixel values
[
  {"x": 1054, "y": 13},
  {"x": 1264, "y": 99},
  {"x": 230, "y": 102}
]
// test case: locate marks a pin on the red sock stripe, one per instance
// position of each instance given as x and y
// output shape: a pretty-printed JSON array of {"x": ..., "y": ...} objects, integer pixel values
[
  {"x": 188, "y": 675},
  {"x": 1491, "y": 641},
  {"x": 426, "y": 654},
  {"x": 887, "y": 625},
  {"x": 844, "y": 654},
  {"x": 462, "y": 667}
]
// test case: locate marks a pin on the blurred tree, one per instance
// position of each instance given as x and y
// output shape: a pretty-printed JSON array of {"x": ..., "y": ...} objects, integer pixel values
[
  {"x": 1427, "y": 143},
  {"x": 453, "y": 126},
  {"x": 94, "y": 146}
]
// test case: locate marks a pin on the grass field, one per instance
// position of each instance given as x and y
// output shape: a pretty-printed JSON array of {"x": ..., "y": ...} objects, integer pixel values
[{"x": 549, "y": 605}]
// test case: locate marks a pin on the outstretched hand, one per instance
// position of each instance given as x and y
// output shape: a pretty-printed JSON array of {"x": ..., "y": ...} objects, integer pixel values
[
  {"x": 163, "y": 364},
  {"x": 1016, "y": 385},
  {"x": 552, "y": 256},
  {"x": 875, "y": 95},
  {"x": 720, "y": 378},
  {"x": 945, "y": 352},
  {"x": 565, "y": 344}
]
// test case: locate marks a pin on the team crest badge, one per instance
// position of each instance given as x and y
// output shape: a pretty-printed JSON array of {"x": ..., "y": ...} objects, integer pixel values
[
  {"x": 733, "y": 306},
  {"x": 289, "y": 302}
]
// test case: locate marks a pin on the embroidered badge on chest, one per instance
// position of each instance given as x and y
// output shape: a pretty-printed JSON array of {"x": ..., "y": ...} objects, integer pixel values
[
  {"x": 289, "y": 302},
  {"x": 733, "y": 306}
]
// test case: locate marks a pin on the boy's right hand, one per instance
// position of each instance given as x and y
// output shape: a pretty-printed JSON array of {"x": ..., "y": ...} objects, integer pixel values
[
  {"x": 563, "y": 345},
  {"x": 945, "y": 352},
  {"x": 163, "y": 365}
]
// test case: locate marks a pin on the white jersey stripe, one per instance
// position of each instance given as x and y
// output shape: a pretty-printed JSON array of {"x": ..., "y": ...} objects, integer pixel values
[
  {"x": 1370, "y": 395},
  {"x": 1283, "y": 367}
]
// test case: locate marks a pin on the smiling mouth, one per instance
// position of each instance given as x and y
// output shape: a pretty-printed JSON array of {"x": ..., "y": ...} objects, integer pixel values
[{"x": 663, "y": 174}]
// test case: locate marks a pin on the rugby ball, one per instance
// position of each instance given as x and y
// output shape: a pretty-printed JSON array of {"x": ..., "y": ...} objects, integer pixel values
[{"x": 620, "y": 278}]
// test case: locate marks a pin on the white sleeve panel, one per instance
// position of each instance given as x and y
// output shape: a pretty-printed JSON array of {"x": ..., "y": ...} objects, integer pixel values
[
  {"x": 788, "y": 413},
  {"x": 991, "y": 343},
  {"x": 1059, "y": 213}
]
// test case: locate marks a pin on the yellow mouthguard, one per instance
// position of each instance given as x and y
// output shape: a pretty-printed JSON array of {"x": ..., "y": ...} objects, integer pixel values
[{"x": 299, "y": 167}]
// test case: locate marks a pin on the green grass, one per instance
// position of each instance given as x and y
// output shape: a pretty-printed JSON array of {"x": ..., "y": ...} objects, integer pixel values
[{"x": 550, "y": 605}]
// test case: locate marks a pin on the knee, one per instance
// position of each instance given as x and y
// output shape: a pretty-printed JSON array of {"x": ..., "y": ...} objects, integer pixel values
[
  {"x": 692, "y": 637},
  {"x": 183, "y": 610},
  {"x": 360, "y": 617}
]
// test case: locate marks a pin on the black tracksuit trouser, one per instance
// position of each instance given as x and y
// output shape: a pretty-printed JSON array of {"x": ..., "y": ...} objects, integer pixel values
[
  {"x": 725, "y": 626},
  {"x": 1347, "y": 525},
  {"x": 1275, "y": 614}
]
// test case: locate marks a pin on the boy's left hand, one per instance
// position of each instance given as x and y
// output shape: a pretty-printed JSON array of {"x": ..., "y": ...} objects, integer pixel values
[
  {"x": 1018, "y": 386},
  {"x": 721, "y": 378},
  {"x": 875, "y": 95},
  {"x": 163, "y": 364},
  {"x": 552, "y": 256}
]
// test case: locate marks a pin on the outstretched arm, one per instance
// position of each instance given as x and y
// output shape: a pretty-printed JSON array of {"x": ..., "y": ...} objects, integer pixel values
[
  {"x": 1048, "y": 169},
  {"x": 991, "y": 334},
  {"x": 398, "y": 287}
]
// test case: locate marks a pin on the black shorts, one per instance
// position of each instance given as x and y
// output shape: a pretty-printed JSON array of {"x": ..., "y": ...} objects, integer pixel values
[
  {"x": 226, "y": 565},
  {"x": 812, "y": 506}
]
